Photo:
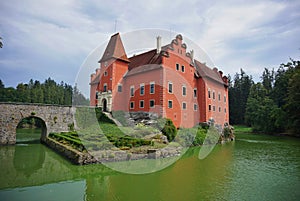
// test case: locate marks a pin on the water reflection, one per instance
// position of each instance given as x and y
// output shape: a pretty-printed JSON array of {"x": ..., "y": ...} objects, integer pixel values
[{"x": 236, "y": 171}]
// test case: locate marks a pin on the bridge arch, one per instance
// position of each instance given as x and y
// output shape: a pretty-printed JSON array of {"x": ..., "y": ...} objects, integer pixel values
[
  {"x": 33, "y": 122},
  {"x": 57, "y": 118}
]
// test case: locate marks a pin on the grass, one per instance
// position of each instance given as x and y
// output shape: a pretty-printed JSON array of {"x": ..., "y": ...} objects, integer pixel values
[{"x": 242, "y": 129}]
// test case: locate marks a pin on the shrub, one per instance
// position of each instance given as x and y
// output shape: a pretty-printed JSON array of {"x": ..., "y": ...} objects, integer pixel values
[{"x": 169, "y": 130}]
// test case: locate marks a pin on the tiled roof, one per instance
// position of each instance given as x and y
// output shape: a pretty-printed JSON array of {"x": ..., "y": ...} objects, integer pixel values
[
  {"x": 142, "y": 69},
  {"x": 114, "y": 49},
  {"x": 205, "y": 71},
  {"x": 150, "y": 57}
]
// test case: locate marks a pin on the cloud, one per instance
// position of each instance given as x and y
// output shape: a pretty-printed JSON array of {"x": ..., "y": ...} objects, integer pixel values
[{"x": 54, "y": 37}]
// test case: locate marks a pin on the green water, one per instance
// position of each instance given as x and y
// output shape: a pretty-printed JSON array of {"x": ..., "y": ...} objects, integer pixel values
[{"x": 251, "y": 168}]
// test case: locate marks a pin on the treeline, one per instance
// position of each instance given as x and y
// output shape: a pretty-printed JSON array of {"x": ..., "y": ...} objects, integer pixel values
[
  {"x": 48, "y": 92},
  {"x": 271, "y": 105}
]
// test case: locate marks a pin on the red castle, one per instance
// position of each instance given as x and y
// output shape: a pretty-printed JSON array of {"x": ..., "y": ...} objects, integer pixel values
[{"x": 166, "y": 81}]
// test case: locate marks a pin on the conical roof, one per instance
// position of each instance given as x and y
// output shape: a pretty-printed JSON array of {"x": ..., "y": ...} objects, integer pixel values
[{"x": 114, "y": 49}]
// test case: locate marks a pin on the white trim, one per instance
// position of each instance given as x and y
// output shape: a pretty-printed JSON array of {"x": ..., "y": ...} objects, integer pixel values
[
  {"x": 184, "y": 103},
  {"x": 153, "y": 103},
  {"x": 194, "y": 92},
  {"x": 153, "y": 87},
  {"x": 184, "y": 86},
  {"x": 169, "y": 82},
  {"x": 143, "y": 104},
  {"x": 131, "y": 94},
  {"x": 142, "y": 85},
  {"x": 171, "y": 103},
  {"x": 132, "y": 104}
]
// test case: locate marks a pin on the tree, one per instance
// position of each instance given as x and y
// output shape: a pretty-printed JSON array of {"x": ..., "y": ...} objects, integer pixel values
[
  {"x": 261, "y": 111},
  {"x": 293, "y": 101},
  {"x": 1, "y": 84},
  {"x": 238, "y": 95},
  {"x": 268, "y": 79}
]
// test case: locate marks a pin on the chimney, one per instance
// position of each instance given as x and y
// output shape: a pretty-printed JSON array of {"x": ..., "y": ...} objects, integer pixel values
[
  {"x": 192, "y": 55},
  {"x": 158, "y": 44}
]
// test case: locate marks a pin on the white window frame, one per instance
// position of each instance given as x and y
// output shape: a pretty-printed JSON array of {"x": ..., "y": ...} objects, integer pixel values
[
  {"x": 153, "y": 103},
  {"x": 131, "y": 102},
  {"x": 182, "y": 68},
  {"x": 152, "y": 83},
  {"x": 142, "y": 85},
  {"x": 184, "y": 104},
  {"x": 184, "y": 90},
  {"x": 195, "y": 107},
  {"x": 120, "y": 88},
  {"x": 177, "y": 66},
  {"x": 195, "y": 94},
  {"x": 170, "y": 83},
  {"x": 208, "y": 93},
  {"x": 105, "y": 87},
  {"x": 132, "y": 91},
  {"x": 142, "y": 101},
  {"x": 170, "y": 101}
]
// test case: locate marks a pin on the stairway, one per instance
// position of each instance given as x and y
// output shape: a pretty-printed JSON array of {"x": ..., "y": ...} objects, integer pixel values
[{"x": 113, "y": 119}]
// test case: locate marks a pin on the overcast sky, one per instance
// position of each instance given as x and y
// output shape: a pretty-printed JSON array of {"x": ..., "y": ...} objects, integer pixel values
[{"x": 52, "y": 38}]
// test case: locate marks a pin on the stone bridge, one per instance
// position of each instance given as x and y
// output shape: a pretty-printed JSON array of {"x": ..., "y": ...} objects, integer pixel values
[{"x": 56, "y": 118}]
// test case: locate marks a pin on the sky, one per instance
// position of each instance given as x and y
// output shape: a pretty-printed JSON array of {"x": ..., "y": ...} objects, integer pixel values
[{"x": 44, "y": 39}]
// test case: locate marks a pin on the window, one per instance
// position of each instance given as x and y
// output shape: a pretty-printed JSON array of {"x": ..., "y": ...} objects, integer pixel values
[
  {"x": 184, "y": 90},
  {"x": 184, "y": 106},
  {"x": 224, "y": 110},
  {"x": 131, "y": 105},
  {"x": 214, "y": 108},
  {"x": 177, "y": 66},
  {"x": 119, "y": 88},
  {"x": 209, "y": 93},
  {"x": 96, "y": 94},
  {"x": 105, "y": 73},
  {"x": 195, "y": 107},
  {"x": 182, "y": 68},
  {"x": 132, "y": 91},
  {"x": 214, "y": 97},
  {"x": 224, "y": 98},
  {"x": 170, "y": 87},
  {"x": 142, "y": 89},
  {"x": 104, "y": 87},
  {"x": 219, "y": 109},
  {"x": 152, "y": 87},
  {"x": 105, "y": 63},
  {"x": 170, "y": 104},
  {"x": 152, "y": 103},
  {"x": 219, "y": 96},
  {"x": 195, "y": 93},
  {"x": 141, "y": 104},
  {"x": 209, "y": 107}
]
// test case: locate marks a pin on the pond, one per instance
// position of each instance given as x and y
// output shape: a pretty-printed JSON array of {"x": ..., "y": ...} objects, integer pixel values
[{"x": 254, "y": 167}]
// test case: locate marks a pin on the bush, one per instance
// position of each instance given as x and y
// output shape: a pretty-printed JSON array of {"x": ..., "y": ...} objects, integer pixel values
[
  {"x": 200, "y": 137},
  {"x": 169, "y": 130}
]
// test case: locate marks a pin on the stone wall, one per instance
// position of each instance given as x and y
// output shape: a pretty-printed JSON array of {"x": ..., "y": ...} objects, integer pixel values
[{"x": 56, "y": 118}]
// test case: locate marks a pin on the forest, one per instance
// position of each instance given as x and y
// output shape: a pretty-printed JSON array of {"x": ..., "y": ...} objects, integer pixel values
[
  {"x": 48, "y": 92},
  {"x": 271, "y": 105}
]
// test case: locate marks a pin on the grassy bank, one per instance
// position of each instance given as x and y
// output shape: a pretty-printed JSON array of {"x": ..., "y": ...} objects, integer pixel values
[{"x": 242, "y": 129}]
